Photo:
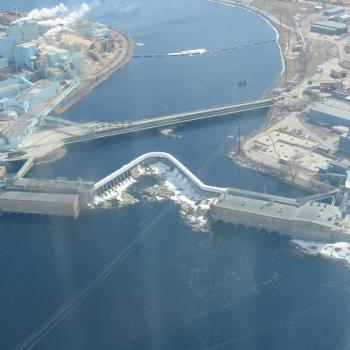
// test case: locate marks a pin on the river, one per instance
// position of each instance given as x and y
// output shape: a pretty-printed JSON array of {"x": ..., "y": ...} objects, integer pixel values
[{"x": 178, "y": 289}]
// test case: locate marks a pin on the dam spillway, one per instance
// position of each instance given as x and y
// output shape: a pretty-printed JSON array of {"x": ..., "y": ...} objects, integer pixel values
[{"x": 305, "y": 217}]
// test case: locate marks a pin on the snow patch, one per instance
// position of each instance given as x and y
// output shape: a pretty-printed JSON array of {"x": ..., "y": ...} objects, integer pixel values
[
  {"x": 335, "y": 251},
  {"x": 172, "y": 185},
  {"x": 194, "y": 207}
]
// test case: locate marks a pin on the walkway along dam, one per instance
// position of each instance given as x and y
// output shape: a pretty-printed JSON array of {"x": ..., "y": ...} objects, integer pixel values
[{"x": 305, "y": 218}]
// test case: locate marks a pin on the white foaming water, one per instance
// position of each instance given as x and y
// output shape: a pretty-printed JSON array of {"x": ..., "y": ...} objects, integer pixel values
[
  {"x": 115, "y": 193},
  {"x": 335, "y": 251},
  {"x": 194, "y": 207}
]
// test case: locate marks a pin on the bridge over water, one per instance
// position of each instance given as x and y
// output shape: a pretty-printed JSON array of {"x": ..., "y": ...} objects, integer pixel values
[{"x": 105, "y": 130}]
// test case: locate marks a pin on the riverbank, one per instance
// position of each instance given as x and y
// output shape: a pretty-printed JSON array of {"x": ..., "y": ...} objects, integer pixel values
[
  {"x": 269, "y": 149},
  {"x": 284, "y": 34},
  {"x": 90, "y": 79}
]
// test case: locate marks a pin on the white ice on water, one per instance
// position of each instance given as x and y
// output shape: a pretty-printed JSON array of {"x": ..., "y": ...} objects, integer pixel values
[
  {"x": 193, "y": 206},
  {"x": 184, "y": 194},
  {"x": 335, "y": 251}
]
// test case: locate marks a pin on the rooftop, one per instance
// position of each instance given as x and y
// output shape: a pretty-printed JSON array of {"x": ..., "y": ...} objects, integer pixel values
[
  {"x": 315, "y": 212},
  {"x": 35, "y": 196},
  {"x": 49, "y": 185},
  {"x": 18, "y": 128},
  {"x": 27, "y": 44},
  {"x": 333, "y": 107},
  {"x": 330, "y": 24}
]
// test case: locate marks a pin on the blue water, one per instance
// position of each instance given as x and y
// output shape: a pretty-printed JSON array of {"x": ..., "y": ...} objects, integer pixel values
[{"x": 228, "y": 289}]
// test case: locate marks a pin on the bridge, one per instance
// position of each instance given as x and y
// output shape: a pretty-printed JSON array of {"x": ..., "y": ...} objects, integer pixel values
[{"x": 113, "y": 129}]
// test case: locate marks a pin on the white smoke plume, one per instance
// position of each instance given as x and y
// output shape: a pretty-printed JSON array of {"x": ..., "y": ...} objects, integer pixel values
[
  {"x": 44, "y": 13},
  {"x": 58, "y": 15}
]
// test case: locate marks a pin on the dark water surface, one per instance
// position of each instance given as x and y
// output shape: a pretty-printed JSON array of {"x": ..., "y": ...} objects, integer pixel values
[{"x": 178, "y": 289}]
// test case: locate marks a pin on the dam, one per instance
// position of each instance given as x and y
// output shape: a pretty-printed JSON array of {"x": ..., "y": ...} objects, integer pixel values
[
  {"x": 305, "y": 218},
  {"x": 312, "y": 220}
]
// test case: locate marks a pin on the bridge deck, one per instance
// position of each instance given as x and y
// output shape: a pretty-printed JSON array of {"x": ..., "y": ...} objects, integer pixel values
[{"x": 108, "y": 130}]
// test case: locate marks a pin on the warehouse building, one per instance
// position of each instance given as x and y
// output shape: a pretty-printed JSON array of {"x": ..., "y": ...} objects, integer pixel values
[
  {"x": 329, "y": 28},
  {"x": 330, "y": 112},
  {"x": 344, "y": 143},
  {"x": 333, "y": 11}
]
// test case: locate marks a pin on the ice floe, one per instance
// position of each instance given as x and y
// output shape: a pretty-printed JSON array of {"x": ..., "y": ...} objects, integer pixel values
[{"x": 335, "y": 251}]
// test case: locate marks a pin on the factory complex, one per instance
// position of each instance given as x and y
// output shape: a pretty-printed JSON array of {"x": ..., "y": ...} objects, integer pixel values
[{"x": 42, "y": 63}]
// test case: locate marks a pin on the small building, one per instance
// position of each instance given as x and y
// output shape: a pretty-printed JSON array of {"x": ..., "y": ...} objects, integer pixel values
[
  {"x": 343, "y": 18},
  {"x": 329, "y": 28},
  {"x": 341, "y": 94},
  {"x": 338, "y": 167},
  {"x": 344, "y": 143},
  {"x": 333, "y": 11},
  {"x": 330, "y": 112},
  {"x": 341, "y": 130},
  {"x": 330, "y": 86},
  {"x": 338, "y": 74}
]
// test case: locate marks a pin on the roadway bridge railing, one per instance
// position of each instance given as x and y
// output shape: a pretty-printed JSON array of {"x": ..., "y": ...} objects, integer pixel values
[{"x": 110, "y": 129}]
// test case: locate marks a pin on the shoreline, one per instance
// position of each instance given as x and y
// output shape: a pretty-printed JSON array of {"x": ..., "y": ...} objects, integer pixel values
[
  {"x": 243, "y": 159},
  {"x": 91, "y": 82},
  {"x": 271, "y": 21}
]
